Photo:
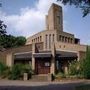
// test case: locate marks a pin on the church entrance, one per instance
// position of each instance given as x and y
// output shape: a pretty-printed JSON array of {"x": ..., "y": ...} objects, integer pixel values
[{"x": 42, "y": 66}]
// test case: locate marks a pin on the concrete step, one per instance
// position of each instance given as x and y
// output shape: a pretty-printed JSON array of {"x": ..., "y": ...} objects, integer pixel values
[{"x": 39, "y": 78}]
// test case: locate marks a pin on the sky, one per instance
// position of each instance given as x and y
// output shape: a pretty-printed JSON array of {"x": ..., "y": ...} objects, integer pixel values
[{"x": 27, "y": 17}]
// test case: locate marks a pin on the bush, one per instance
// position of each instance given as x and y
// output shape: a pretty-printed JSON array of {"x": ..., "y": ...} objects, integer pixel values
[
  {"x": 81, "y": 68},
  {"x": 4, "y": 70},
  {"x": 18, "y": 70},
  {"x": 15, "y": 72},
  {"x": 60, "y": 75},
  {"x": 27, "y": 69},
  {"x": 86, "y": 65},
  {"x": 6, "y": 73},
  {"x": 74, "y": 68}
]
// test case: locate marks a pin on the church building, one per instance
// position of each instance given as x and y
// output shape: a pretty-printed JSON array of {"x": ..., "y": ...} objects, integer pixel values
[{"x": 50, "y": 50}]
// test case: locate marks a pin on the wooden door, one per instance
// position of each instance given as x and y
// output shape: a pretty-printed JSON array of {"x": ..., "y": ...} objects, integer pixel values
[{"x": 41, "y": 68}]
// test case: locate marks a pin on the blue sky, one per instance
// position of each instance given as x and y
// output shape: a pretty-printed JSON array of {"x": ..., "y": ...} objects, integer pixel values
[{"x": 26, "y": 17}]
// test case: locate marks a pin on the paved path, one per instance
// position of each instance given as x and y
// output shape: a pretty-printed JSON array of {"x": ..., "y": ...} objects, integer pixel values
[{"x": 27, "y": 85}]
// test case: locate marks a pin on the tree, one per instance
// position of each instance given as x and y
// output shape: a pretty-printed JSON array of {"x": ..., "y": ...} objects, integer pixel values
[
  {"x": 2, "y": 28},
  {"x": 20, "y": 40},
  {"x": 8, "y": 41},
  {"x": 84, "y": 5},
  {"x": 2, "y": 33}
]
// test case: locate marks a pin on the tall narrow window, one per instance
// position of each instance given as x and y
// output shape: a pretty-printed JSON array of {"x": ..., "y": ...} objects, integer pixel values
[
  {"x": 46, "y": 41},
  {"x": 60, "y": 37},
  {"x": 49, "y": 41},
  {"x": 36, "y": 39},
  {"x": 32, "y": 40},
  {"x": 68, "y": 40},
  {"x": 40, "y": 38},
  {"x": 71, "y": 40},
  {"x": 53, "y": 37},
  {"x": 58, "y": 19},
  {"x": 65, "y": 39}
]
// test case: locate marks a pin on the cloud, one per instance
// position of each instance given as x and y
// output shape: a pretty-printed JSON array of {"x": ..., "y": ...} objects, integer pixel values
[{"x": 29, "y": 20}]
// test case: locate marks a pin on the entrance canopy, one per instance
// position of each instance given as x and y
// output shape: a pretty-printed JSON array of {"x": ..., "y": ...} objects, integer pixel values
[
  {"x": 59, "y": 54},
  {"x": 28, "y": 55},
  {"x": 42, "y": 55},
  {"x": 66, "y": 55},
  {"x": 23, "y": 55}
]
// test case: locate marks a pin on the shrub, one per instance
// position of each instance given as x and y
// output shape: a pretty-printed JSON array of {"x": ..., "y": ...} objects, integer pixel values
[
  {"x": 4, "y": 70},
  {"x": 15, "y": 72},
  {"x": 6, "y": 73},
  {"x": 86, "y": 64},
  {"x": 74, "y": 68},
  {"x": 27, "y": 69},
  {"x": 18, "y": 70},
  {"x": 60, "y": 75},
  {"x": 81, "y": 68}
]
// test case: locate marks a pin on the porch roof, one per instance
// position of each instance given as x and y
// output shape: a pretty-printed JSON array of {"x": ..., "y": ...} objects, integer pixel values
[
  {"x": 59, "y": 54},
  {"x": 42, "y": 55},
  {"x": 65, "y": 54},
  {"x": 23, "y": 55},
  {"x": 28, "y": 55}
]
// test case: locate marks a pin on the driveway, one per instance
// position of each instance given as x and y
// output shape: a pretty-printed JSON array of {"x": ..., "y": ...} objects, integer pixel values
[{"x": 27, "y": 85}]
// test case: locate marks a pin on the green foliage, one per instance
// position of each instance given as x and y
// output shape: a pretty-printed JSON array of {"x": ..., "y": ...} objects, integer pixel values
[
  {"x": 86, "y": 65},
  {"x": 74, "y": 68},
  {"x": 2, "y": 28},
  {"x": 15, "y": 72},
  {"x": 18, "y": 70},
  {"x": 60, "y": 75},
  {"x": 27, "y": 69},
  {"x": 81, "y": 68},
  {"x": 84, "y": 5},
  {"x": 8, "y": 41},
  {"x": 4, "y": 70},
  {"x": 20, "y": 41}
]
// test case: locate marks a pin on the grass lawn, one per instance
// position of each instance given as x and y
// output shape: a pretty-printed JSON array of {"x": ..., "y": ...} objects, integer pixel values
[{"x": 83, "y": 87}]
